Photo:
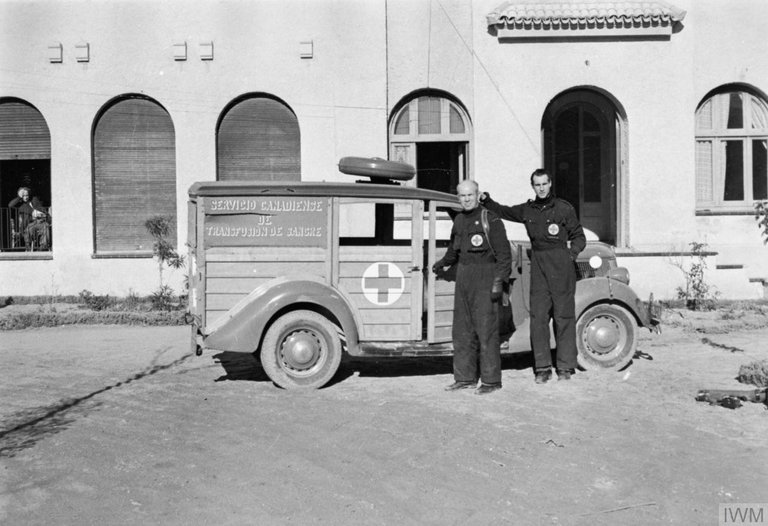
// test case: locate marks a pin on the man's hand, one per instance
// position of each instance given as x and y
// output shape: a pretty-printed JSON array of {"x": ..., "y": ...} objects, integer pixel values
[
  {"x": 483, "y": 196},
  {"x": 496, "y": 290},
  {"x": 438, "y": 267}
]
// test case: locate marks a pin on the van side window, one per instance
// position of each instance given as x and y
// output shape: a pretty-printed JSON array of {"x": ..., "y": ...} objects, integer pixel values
[{"x": 375, "y": 223}]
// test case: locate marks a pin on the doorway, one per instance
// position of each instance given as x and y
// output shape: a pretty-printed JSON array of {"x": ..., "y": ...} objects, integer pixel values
[{"x": 582, "y": 151}]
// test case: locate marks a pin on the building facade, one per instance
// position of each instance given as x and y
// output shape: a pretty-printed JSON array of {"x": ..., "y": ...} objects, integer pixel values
[{"x": 652, "y": 117}]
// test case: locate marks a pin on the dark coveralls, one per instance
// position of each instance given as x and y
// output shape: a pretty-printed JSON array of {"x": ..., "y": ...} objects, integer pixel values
[
  {"x": 475, "y": 316},
  {"x": 550, "y": 223}
]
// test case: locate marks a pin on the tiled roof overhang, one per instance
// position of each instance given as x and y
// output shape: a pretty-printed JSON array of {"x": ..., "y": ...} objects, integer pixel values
[{"x": 558, "y": 19}]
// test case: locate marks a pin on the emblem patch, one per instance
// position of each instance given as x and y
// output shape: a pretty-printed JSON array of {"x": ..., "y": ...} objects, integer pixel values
[
  {"x": 383, "y": 283},
  {"x": 553, "y": 229},
  {"x": 476, "y": 240}
]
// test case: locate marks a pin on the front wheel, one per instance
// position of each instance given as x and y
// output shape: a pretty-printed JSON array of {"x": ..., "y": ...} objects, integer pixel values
[
  {"x": 606, "y": 337},
  {"x": 301, "y": 350}
]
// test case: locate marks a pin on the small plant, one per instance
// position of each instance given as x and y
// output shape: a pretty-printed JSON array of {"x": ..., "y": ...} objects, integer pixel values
[
  {"x": 160, "y": 228},
  {"x": 761, "y": 216},
  {"x": 132, "y": 301},
  {"x": 93, "y": 301},
  {"x": 697, "y": 293},
  {"x": 162, "y": 298}
]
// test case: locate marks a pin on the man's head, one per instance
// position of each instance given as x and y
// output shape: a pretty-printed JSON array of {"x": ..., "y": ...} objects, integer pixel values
[
  {"x": 541, "y": 183},
  {"x": 468, "y": 192},
  {"x": 24, "y": 193}
]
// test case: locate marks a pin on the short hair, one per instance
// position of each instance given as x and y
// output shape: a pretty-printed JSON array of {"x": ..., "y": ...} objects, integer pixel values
[
  {"x": 538, "y": 172},
  {"x": 474, "y": 184}
]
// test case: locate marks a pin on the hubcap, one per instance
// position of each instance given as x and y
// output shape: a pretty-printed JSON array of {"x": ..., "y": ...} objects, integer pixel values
[
  {"x": 603, "y": 335},
  {"x": 301, "y": 350}
]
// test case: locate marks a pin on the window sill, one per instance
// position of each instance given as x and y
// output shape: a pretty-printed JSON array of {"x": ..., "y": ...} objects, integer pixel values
[
  {"x": 725, "y": 211},
  {"x": 122, "y": 255},
  {"x": 632, "y": 253},
  {"x": 22, "y": 255}
]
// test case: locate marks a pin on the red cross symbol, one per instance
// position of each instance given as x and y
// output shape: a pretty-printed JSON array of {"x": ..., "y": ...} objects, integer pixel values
[{"x": 383, "y": 283}]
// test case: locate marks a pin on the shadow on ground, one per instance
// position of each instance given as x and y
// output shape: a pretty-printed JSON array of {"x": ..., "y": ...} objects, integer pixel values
[
  {"x": 23, "y": 429},
  {"x": 245, "y": 366}
]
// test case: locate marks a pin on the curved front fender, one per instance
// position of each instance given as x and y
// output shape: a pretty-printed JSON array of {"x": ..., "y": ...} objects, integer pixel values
[
  {"x": 602, "y": 289},
  {"x": 242, "y": 328}
]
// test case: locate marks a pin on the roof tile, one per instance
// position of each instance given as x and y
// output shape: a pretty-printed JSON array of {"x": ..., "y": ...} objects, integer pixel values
[{"x": 565, "y": 14}]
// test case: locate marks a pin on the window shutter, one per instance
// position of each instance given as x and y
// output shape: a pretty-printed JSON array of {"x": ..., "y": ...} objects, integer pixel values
[
  {"x": 134, "y": 174},
  {"x": 23, "y": 132},
  {"x": 704, "y": 191},
  {"x": 258, "y": 139}
]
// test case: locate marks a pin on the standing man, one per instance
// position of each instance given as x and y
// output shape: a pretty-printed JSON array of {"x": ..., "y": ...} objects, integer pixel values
[
  {"x": 479, "y": 245},
  {"x": 551, "y": 224}
]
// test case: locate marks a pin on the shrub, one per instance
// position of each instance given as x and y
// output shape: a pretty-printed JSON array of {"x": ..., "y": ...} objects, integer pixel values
[
  {"x": 160, "y": 228},
  {"x": 162, "y": 298},
  {"x": 755, "y": 373},
  {"x": 761, "y": 216},
  {"x": 697, "y": 294},
  {"x": 93, "y": 301}
]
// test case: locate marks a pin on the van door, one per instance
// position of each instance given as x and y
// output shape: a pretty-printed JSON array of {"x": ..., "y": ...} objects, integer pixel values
[
  {"x": 379, "y": 265},
  {"x": 439, "y": 291}
]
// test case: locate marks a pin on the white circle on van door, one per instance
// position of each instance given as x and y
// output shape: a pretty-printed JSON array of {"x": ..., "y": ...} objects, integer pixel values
[{"x": 383, "y": 283}]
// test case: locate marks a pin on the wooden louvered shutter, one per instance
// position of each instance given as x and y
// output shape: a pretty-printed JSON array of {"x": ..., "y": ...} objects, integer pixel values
[
  {"x": 258, "y": 139},
  {"x": 23, "y": 132},
  {"x": 134, "y": 174}
]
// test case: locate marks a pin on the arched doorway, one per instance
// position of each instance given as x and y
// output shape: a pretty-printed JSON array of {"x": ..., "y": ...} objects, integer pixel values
[{"x": 584, "y": 151}]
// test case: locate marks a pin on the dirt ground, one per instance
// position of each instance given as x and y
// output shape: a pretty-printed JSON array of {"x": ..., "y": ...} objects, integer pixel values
[{"x": 120, "y": 425}]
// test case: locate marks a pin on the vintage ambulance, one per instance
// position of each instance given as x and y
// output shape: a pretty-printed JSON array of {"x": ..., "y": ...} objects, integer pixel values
[{"x": 302, "y": 272}]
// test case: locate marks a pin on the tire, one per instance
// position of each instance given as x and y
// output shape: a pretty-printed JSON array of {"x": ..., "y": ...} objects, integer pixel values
[
  {"x": 377, "y": 168},
  {"x": 606, "y": 337},
  {"x": 301, "y": 350}
]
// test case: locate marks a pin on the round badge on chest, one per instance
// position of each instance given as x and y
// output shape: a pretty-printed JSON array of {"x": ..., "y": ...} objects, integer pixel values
[
  {"x": 553, "y": 229},
  {"x": 476, "y": 240}
]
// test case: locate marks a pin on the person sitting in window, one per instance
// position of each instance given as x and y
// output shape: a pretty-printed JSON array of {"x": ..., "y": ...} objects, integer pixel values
[{"x": 32, "y": 220}]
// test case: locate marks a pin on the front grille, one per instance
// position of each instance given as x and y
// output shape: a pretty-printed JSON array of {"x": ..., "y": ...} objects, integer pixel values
[{"x": 583, "y": 270}]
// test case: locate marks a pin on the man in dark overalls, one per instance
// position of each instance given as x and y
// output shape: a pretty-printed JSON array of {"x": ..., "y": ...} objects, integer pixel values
[
  {"x": 480, "y": 247},
  {"x": 551, "y": 224}
]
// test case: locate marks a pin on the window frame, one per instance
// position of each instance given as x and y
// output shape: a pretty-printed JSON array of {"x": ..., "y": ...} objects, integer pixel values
[
  {"x": 402, "y": 146},
  {"x": 718, "y": 136}
]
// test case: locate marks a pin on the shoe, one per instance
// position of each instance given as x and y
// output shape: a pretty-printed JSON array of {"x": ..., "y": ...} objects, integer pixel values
[
  {"x": 485, "y": 389},
  {"x": 564, "y": 374},
  {"x": 544, "y": 376},
  {"x": 455, "y": 386}
]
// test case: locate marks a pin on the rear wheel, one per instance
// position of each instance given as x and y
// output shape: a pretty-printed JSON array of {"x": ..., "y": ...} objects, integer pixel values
[
  {"x": 301, "y": 350},
  {"x": 606, "y": 336}
]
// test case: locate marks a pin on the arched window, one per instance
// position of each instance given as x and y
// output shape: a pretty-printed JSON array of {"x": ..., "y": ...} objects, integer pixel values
[
  {"x": 134, "y": 174},
  {"x": 731, "y": 149},
  {"x": 258, "y": 139},
  {"x": 25, "y": 161},
  {"x": 432, "y": 133}
]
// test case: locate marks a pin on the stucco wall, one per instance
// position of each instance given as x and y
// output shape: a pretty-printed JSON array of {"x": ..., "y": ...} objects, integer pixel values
[
  {"x": 368, "y": 56},
  {"x": 339, "y": 97}
]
